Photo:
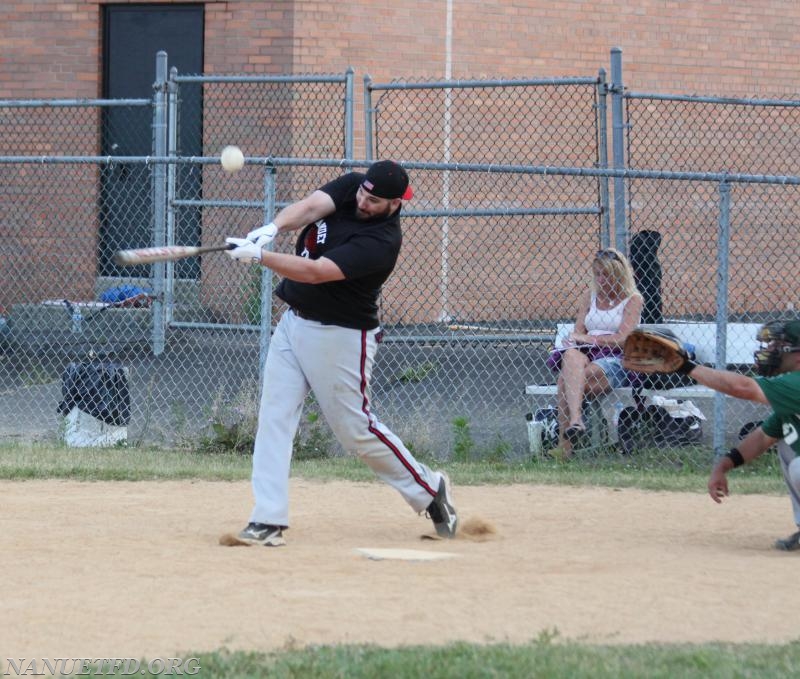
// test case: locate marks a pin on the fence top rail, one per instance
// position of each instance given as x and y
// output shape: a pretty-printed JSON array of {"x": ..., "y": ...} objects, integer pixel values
[
  {"x": 476, "y": 212},
  {"x": 491, "y": 168},
  {"x": 463, "y": 84},
  {"x": 262, "y": 78},
  {"x": 733, "y": 101},
  {"x": 62, "y": 103}
]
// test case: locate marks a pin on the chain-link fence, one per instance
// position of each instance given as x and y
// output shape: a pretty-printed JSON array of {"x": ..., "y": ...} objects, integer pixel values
[
  {"x": 308, "y": 116},
  {"x": 554, "y": 121},
  {"x": 510, "y": 282},
  {"x": 705, "y": 134},
  {"x": 511, "y": 204}
]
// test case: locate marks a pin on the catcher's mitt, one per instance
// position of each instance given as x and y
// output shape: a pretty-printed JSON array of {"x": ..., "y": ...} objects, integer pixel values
[{"x": 654, "y": 351}]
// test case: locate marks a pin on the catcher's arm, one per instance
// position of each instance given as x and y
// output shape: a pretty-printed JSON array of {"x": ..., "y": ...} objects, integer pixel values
[
  {"x": 730, "y": 383},
  {"x": 649, "y": 351},
  {"x": 750, "y": 447}
]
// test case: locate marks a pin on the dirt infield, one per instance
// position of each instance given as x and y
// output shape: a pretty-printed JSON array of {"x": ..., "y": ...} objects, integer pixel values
[{"x": 135, "y": 569}]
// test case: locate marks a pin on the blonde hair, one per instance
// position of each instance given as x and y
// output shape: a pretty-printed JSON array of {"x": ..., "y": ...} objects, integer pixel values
[{"x": 615, "y": 265}]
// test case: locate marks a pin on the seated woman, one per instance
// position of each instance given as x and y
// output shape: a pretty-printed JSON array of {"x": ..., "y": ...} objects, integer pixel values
[{"x": 589, "y": 363}]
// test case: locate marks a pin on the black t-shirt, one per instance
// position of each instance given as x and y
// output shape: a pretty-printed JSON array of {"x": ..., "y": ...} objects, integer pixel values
[{"x": 365, "y": 250}]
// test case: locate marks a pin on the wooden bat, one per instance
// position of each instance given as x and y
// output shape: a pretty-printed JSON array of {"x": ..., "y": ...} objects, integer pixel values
[{"x": 168, "y": 253}]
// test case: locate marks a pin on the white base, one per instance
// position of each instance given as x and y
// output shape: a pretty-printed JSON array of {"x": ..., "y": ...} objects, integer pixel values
[
  {"x": 84, "y": 431},
  {"x": 380, "y": 553}
]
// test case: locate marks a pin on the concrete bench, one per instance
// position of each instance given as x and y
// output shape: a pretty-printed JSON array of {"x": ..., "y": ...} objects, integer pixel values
[{"x": 740, "y": 345}]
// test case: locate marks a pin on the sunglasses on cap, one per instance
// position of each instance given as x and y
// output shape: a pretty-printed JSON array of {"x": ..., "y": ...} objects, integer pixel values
[{"x": 607, "y": 254}]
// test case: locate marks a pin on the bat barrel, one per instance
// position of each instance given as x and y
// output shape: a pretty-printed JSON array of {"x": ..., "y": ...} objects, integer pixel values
[
  {"x": 167, "y": 253},
  {"x": 148, "y": 255}
]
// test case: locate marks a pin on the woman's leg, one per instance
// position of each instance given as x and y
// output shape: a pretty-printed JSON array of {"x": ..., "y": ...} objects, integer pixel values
[
  {"x": 595, "y": 381},
  {"x": 563, "y": 416},
  {"x": 570, "y": 395},
  {"x": 573, "y": 379},
  {"x": 580, "y": 379}
]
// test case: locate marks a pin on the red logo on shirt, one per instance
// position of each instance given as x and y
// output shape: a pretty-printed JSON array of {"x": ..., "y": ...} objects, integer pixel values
[{"x": 310, "y": 243}]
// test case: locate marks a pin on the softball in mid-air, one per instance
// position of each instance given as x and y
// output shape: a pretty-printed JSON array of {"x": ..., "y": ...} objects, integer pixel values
[{"x": 232, "y": 159}]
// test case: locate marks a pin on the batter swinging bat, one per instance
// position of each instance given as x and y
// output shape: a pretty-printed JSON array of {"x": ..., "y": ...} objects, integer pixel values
[{"x": 168, "y": 253}]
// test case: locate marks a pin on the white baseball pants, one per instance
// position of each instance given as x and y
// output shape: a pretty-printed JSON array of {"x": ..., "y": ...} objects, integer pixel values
[{"x": 336, "y": 364}]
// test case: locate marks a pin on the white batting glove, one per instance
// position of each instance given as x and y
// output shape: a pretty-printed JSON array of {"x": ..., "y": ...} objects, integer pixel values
[
  {"x": 245, "y": 250},
  {"x": 263, "y": 235}
]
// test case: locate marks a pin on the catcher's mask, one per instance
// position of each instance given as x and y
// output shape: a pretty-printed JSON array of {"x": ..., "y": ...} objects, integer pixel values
[{"x": 777, "y": 338}]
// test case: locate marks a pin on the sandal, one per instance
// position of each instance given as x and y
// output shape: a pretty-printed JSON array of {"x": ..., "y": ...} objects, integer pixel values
[{"x": 574, "y": 434}]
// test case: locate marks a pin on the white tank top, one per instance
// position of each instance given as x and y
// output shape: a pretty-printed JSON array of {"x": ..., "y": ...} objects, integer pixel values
[{"x": 604, "y": 321}]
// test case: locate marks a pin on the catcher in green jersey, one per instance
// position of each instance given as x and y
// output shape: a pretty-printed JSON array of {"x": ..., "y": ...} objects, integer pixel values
[{"x": 778, "y": 385}]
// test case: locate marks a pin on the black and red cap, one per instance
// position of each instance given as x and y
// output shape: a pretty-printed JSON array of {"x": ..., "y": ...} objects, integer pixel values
[{"x": 386, "y": 179}]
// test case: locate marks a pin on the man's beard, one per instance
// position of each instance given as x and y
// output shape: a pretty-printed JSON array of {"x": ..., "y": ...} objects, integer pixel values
[{"x": 363, "y": 216}]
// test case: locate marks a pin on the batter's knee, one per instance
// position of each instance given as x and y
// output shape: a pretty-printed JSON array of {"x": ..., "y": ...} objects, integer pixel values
[{"x": 355, "y": 443}]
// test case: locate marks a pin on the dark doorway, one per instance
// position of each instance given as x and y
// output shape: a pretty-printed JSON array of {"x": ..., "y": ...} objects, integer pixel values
[{"x": 133, "y": 35}]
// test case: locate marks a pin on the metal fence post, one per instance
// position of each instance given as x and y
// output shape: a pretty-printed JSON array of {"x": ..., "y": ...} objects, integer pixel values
[
  {"x": 444, "y": 247},
  {"x": 368, "y": 131},
  {"x": 618, "y": 150},
  {"x": 348, "y": 113},
  {"x": 172, "y": 152},
  {"x": 159, "y": 199},
  {"x": 723, "y": 248},
  {"x": 602, "y": 156}
]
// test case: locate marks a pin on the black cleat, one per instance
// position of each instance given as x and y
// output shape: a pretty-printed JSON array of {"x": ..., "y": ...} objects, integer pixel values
[
  {"x": 262, "y": 534},
  {"x": 790, "y": 544},
  {"x": 442, "y": 512}
]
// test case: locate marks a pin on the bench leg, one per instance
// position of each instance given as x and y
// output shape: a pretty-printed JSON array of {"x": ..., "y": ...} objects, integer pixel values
[
  {"x": 535, "y": 436},
  {"x": 596, "y": 426}
]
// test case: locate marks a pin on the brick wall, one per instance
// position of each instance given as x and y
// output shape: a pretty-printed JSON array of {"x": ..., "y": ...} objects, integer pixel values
[{"x": 52, "y": 48}]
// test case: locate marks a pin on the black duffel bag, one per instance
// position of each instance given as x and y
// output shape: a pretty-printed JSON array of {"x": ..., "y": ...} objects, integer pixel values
[
  {"x": 99, "y": 389},
  {"x": 654, "y": 427}
]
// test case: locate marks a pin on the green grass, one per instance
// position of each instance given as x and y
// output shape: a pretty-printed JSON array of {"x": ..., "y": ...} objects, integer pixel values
[
  {"x": 43, "y": 461},
  {"x": 32, "y": 461},
  {"x": 544, "y": 657}
]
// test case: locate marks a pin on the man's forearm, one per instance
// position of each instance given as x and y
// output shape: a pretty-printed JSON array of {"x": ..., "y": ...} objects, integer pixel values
[
  {"x": 301, "y": 269},
  {"x": 727, "y": 382}
]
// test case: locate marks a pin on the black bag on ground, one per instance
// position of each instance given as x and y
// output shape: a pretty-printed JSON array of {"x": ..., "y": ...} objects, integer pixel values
[
  {"x": 672, "y": 431},
  {"x": 628, "y": 429},
  {"x": 99, "y": 389},
  {"x": 548, "y": 416},
  {"x": 653, "y": 426}
]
